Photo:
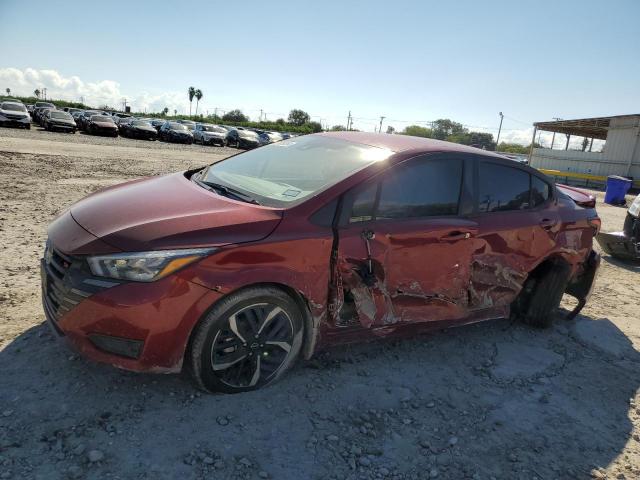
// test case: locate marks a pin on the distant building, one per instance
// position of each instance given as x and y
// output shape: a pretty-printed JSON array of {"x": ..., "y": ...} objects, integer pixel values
[{"x": 620, "y": 155}]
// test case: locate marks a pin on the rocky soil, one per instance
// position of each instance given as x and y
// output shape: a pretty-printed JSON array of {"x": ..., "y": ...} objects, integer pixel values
[{"x": 494, "y": 400}]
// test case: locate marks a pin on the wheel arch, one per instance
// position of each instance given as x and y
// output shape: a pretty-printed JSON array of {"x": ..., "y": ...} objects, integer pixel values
[{"x": 310, "y": 326}]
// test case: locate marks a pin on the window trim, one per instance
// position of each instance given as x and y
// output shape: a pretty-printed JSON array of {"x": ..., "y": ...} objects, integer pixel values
[{"x": 464, "y": 195}]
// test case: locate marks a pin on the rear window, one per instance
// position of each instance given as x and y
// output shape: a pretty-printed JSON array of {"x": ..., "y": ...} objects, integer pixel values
[{"x": 502, "y": 188}]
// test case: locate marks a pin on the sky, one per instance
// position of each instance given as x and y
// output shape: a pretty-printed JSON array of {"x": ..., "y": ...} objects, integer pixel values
[{"x": 410, "y": 61}]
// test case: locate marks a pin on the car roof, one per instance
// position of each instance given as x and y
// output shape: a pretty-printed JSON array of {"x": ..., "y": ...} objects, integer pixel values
[
  {"x": 399, "y": 143},
  {"x": 20, "y": 104}
]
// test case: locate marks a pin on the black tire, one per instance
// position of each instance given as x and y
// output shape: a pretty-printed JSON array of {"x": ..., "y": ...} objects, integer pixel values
[
  {"x": 541, "y": 295},
  {"x": 223, "y": 358}
]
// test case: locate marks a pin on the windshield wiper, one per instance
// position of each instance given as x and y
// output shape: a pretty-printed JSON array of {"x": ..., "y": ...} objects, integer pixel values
[{"x": 226, "y": 191}]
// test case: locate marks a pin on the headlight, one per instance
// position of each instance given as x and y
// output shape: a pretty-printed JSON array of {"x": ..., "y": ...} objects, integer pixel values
[
  {"x": 145, "y": 266},
  {"x": 634, "y": 209}
]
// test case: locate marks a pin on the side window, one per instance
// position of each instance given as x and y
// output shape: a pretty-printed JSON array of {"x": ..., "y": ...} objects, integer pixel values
[
  {"x": 363, "y": 204},
  {"x": 540, "y": 191},
  {"x": 502, "y": 188},
  {"x": 424, "y": 187}
]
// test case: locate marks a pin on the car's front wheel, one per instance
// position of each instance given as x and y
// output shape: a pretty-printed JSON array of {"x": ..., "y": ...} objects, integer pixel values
[{"x": 247, "y": 341}]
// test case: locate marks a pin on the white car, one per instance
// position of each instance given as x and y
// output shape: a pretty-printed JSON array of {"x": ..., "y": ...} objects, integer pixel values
[
  {"x": 210, "y": 134},
  {"x": 14, "y": 114}
]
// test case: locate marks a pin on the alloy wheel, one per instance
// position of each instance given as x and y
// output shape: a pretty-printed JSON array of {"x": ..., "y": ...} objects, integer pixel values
[{"x": 252, "y": 345}]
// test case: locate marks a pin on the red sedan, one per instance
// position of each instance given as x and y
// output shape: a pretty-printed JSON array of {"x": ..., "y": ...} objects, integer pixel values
[{"x": 236, "y": 270}]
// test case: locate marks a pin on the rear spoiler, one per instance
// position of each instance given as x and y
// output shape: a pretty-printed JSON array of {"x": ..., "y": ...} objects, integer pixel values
[{"x": 580, "y": 197}]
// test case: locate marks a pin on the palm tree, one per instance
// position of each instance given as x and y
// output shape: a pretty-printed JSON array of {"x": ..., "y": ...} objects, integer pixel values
[
  {"x": 198, "y": 95},
  {"x": 192, "y": 93},
  {"x": 8, "y": 91},
  {"x": 165, "y": 110},
  {"x": 36, "y": 92}
]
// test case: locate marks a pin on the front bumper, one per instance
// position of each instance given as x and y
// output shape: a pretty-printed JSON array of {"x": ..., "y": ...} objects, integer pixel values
[
  {"x": 624, "y": 245},
  {"x": 15, "y": 122},
  {"x": 134, "y": 326},
  {"x": 213, "y": 140}
]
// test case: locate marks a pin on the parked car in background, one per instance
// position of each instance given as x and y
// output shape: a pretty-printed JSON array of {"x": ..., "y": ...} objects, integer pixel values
[
  {"x": 38, "y": 107},
  {"x": 14, "y": 114},
  {"x": 624, "y": 245},
  {"x": 29, "y": 108},
  {"x": 175, "y": 132},
  {"x": 267, "y": 137},
  {"x": 85, "y": 117},
  {"x": 210, "y": 134},
  {"x": 102, "y": 125},
  {"x": 42, "y": 115},
  {"x": 138, "y": 129},
  {"x": 121, "y": 122},
  {"x": 157, "y": 123},
  {"x": 242, "y": 138},
  {"x": 187, "y": 123},
  {"x": 59, "y": 120},
  {"x": 236, "y": 270}
]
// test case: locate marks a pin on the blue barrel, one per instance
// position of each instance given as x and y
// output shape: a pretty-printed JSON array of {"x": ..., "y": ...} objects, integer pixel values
[{"x": 617, "y": 188}]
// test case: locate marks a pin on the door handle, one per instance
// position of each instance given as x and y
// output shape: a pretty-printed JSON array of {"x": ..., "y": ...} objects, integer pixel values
[
  {"x": 547, "y": 223},
  {"x": 455, "y": 236}
]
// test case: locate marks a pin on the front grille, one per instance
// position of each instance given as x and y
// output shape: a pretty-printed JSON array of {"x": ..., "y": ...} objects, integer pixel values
[{"x": 66, "y": 281}]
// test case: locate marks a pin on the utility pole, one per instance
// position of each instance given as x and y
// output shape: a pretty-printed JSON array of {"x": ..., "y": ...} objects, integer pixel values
[
  {"x": 81, "y": 99},
  {"x": 44, "y": 92},
  {"x": 499, "y": 128},
  {"x": 349, "y": 121},
  {"x": 381, "y": 119},
  {"x": 260, "y": 115},
  {"x": 553, "y": 138},
  {"x": 124, "y": 104}
]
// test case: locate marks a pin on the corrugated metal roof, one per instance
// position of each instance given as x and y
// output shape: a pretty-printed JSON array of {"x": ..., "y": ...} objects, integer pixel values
[{"x": 596, "y": 127}]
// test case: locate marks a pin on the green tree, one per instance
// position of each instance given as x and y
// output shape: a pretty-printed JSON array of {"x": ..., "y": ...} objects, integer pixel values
[
  {"x": 235, "y": 116},
  {"x": 444, "y": 128},
  {"x": 192, "y": 93},
  {"x": 198, "y": 95},
  {"x": 338, "y": 128},
  {"x": 36, "y": 92},
  {"x": 165, "y": 110},
  {"x": 280, "y": 121},
  {"x": 298, "y": 117},
  {"x": 390, "y": 129},
  {"x": 512, "y": 148},
  {"x": 8, "y": 90},
  {"x": 315, "y": 126},
  {"x": 418, "y": 131}
]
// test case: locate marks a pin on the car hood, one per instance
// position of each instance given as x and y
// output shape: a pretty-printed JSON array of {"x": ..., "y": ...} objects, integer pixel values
[
  {"x": 13, "y": 112},
  {"x": 170, "y": 212},
  {"x": 105, "y": 124}
]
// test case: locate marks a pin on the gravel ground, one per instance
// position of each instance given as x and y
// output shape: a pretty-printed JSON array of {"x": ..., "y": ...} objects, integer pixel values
[{"x": 493, "y": 400}]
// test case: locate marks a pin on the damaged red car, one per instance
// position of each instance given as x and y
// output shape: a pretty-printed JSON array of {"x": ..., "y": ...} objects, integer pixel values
[{"x": 236, "y": 270}]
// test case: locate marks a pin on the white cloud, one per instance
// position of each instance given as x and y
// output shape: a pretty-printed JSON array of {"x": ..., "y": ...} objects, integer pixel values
[{"x": 24, "y": 82}]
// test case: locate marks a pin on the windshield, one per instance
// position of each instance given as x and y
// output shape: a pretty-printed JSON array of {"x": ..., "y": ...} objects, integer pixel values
[
  {"x": 15, "y": 107},
  {"x": 102, "y": 118},
  {"x": 44, "y": 104},
  {"x": 177, "y": 126},
  {"x": 140, "y": 123},
  {"x": 285, "y": 173},
  {"x": 210, "y": 128},
  {"x": 63, "y": 115}
]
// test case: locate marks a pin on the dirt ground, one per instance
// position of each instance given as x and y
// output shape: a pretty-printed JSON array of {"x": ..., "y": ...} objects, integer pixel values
[{"x": 493, "y": 400}]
